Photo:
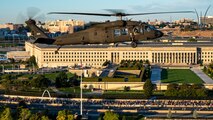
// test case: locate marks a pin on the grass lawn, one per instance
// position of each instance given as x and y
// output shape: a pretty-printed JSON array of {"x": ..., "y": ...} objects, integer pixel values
[
  {"x": 131, "y": 92},
  {"x": 179, "y": 76}
]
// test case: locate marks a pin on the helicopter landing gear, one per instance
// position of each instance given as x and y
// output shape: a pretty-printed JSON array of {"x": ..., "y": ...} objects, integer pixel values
[{"x": 133, "y": 44}]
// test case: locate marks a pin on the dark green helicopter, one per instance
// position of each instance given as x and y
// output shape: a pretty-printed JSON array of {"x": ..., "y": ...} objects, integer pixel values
[{"x": 102, "y": 33}]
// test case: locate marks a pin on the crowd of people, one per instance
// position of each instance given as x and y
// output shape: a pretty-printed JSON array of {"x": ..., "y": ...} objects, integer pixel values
[{"x": 109, "y": 103}]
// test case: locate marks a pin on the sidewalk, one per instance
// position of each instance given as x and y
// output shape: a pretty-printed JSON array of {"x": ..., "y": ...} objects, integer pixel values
[{"x": 206, "y": 79}]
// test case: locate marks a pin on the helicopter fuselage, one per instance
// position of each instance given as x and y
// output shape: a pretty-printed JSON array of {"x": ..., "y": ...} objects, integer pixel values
[
  {"x": 110, "y": 32},
  {"x": 101, "y": 33}
]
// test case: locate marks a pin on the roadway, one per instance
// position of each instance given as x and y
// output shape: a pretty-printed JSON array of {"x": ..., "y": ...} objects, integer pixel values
[
  {"x": 93, "y": 107},
  {"x": 93, "y": 111}
]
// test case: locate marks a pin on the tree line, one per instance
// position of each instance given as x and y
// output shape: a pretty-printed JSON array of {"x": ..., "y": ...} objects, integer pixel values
[
  {"x": 11, "y": 82},
  {"x": 195, "y": 91}
]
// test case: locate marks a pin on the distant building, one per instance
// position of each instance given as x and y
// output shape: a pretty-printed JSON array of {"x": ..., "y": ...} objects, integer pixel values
[
  {"x": 208, "y": 20},
  {"x": 96, "y": 55},
  {"x": 11, "y": 26},
  {"x": 63, "y": 26},
  {"x": 156, "y": 22},
  {"x": 4, "y": 32},
  {"x": 18, "y": 55},
  {"x": 184, "y": 21}
]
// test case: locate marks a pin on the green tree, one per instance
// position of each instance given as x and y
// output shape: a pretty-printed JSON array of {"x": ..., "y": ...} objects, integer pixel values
[
  {"x": 109, "y": 115},
  {"x": 8, "y": 77},
  {"x": 8, "y": 85},
  {"x": 32, "y": 61},
  {"x": 61, "y": 80},
  {"x": 64, "y": 115},
  {"x": 126, "y": 88},
  {"x": 201, "y": 93},
  {"x": 124, "y": 117},
  {"x": 192, "y": 40},
  {"x": 40, "y": 82},
  {"x": 185, "y": 91},
  {"x": 148, "y": 88},
  {"x": 6, "y": 114},
  {"x": 24, "y": 114},
  {"x": 61, "y": 115},
  {"x": 44, "y": 118},
  {"x": 172, "y": 90},
  {"x": 35, "y": 117}
]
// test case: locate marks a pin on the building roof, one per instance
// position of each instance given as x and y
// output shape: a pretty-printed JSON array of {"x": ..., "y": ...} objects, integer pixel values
[{"x": 156, "y": 44}]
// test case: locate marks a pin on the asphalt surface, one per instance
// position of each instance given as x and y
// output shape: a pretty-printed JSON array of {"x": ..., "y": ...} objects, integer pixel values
[
  {"x": 93, "y": 108},
  {"x": 93, "y": 111}
]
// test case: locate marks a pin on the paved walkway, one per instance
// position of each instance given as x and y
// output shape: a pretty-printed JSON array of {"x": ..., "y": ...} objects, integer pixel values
[
  {"x": 54, "y": 89},
  {"x": 202, "y": 75}
]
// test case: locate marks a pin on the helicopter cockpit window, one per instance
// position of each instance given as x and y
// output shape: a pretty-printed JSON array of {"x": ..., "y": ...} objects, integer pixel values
[
  {"x": 152, "y": 27},
  {"x": 117, "y": 32},
  {"x": 147, "y": 28},
  {"x": 124, "y": 31},
  {"x": 141, "y": 30},
  {"x": 136, "y": 30}
]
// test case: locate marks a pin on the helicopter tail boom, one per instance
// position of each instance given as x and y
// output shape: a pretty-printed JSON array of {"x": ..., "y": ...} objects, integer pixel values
[
  {"x": 35, "y": 30},
  {"x": 45, "y": 41}
]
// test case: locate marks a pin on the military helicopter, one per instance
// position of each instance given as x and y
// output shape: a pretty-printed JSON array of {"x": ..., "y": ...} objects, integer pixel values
[{"x": 101, "y": 33}]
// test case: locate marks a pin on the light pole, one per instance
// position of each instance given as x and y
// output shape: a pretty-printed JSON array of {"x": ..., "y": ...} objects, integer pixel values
[
  {"x": 81, "y": 111},
  {"x": 2, "y": 69}
]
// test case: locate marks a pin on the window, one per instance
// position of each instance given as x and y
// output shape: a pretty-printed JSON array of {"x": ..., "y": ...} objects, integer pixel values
[
  {"x": 117, "y": 32},
  {"x": 147, "y": 28},
  {"x": 136, "y": 30},
  {"x": 124, "y": 31}
]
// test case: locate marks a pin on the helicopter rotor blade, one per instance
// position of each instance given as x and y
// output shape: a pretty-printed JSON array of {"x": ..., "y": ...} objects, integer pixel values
[
  {"x": 32, "y": 12},
  {"x": 76, "y": 13},
  {"x": 40, "y": 17},
  {"x": 118, "y": 14},
  {"x": 159, "y": 13},
  {"x": 115, "y": 11},
  {"x": 20, "y": 18}
]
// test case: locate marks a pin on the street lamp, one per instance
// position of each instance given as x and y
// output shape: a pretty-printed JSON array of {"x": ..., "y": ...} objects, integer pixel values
[
  {"x": 81, "y": 111},
  {"x": 2, "y": 69}
]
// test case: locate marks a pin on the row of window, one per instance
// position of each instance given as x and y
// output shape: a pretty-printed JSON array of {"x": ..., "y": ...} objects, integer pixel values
[
  {"x": 208, "y": 60},
  {"x": 75, "y": 57},
  {"x": 75, "y": 53},
  {"x": 135, "y": 56},
  {"x": 172, "y": 54},
  {"x": 74, "y": 60},
  {"x": 211, "y": 56},
  {"x": 207, "y": 53},
  {"x": 128, "y": 53},
  {"x": 173, "y": 61}
]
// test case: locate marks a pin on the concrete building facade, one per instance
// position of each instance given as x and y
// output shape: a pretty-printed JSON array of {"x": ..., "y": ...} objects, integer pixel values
[
  {"x": 96, "y": 55},
  {"x": 11, "y": 26},
  {"x": 63, "y": 25},
  {"x": 18, "y": 55}
]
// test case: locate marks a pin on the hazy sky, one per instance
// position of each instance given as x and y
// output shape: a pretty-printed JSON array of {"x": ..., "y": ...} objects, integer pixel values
[{"x": 11, "y": 10}]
